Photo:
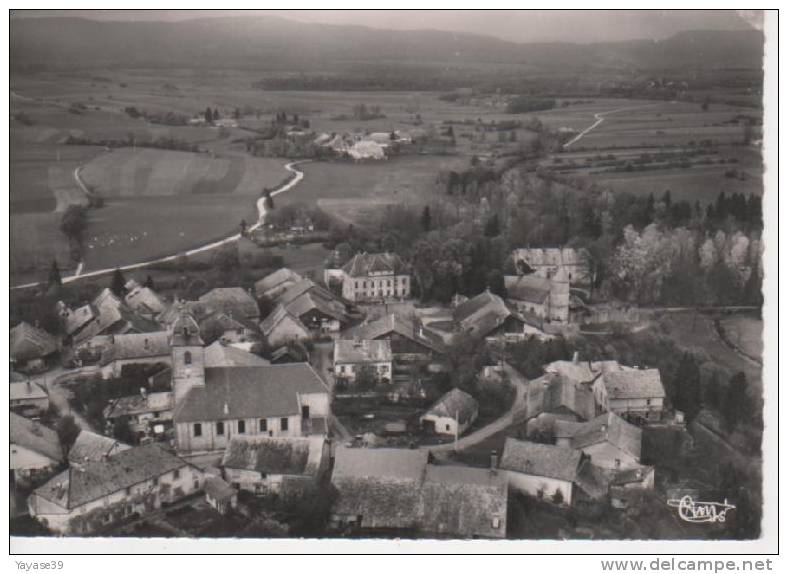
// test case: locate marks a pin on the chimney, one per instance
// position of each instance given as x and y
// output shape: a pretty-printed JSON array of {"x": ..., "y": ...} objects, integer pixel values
[
  {"x": 29, "y": 387},
  {"x": 146, "y": 344},
  {"x": 143, "y": 392},
  {"x": 493, "y": 461},
  {"x": 226, "y": 409},
  {"x": 618, "y": 463},
  {"x": 575, "y": 357}
]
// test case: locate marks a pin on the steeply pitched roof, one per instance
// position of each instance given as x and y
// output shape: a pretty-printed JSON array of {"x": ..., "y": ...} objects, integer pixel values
[
  {"x": 139, "y": 404},
  {"x": 563, "y": 393},
  {"x": 221, "y": 355},
  {"x": 77, "y": 318},
  {"x": 463, "y": 502},
  {"x": 217, "y": 488},
  {"x": 387, "y": 463},
  {"x": 364, "y": 264},
  {"x": 185, "y": 330},
  {"x": 611, "y": 428},
  {"x": 27, "y": 343},
  {"x": 634, "y": 384},
  {"x": 27, "y": 390},
  {"x": 455, "y": 404},
  {"x": 279, "y": 280},
  {"x": 482, "y": 314},
  {"x": 582, "y": 371},
  {"x": 361, "y": 351},
  {"x": 136, "y": 346},
  {"x": 231, "y": 299},
  {"x": 538, "y": 459},
  {"x": 528, "y": 288},
  {"x": 275, "y": 455},
  {"x": 34, "y": 436},
  {"x": 314, "y": 300},
  {"x": 94, "y": 480},
  {"x": 275, "y": 317},
  {"x": 143, "y": 300},
  {"x": 92, "y": 446},
  {"x": 249, "y": 392},
  {"x": 405, "y": 326}
]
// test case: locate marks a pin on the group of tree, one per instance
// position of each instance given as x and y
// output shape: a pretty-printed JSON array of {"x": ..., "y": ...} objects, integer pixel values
[
  {"x": 211, "y": 115},
  {"x": 73, "y": 224}
]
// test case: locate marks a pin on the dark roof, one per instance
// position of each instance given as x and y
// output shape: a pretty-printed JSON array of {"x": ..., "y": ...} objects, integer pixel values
[
  {"x": 405, "y": 326},
  {"x": 611, "y": 428},
  {"x": 634, "y": 384},
  {"x": 274, "y": 455},
  {"x": 34, "y": 436},
  {"x": 93, "y": 446},
  {"x": 185, "y": 330},
  {"x": 276, "y": 281},
  {"x": 136, "y": 346},
  {"x": 363, "y": 264},
  {"x": 217, "y": 488},
  {"x": 483, "y": 314},
  {"x": 563, "y": 393},
  {"x": 94, "y": 480},
  {"x": 139, "y": 404},
  {"x": 530, "y": 288},
  {"x": 249, "y": 392},
  {"x": 314, "y": 300},
  {"x": 539, "y": 459},
  {"x": 27, "y": 343},
  {"x": 463, "y": 502},
  {"x": 380, "y": 502},
  {"x": 231, "y": 299},
  {"x": 456, "y": 404}
]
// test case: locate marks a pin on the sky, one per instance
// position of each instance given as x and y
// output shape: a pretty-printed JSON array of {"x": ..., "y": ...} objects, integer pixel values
[{"x": 514, "y": 25}]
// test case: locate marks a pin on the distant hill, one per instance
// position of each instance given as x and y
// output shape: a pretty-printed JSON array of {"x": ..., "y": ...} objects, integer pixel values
[{"x": 279, "y": 44}]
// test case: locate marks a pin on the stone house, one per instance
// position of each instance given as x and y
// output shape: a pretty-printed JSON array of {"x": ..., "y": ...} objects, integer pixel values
[
  {"x": 541, "y": 470},
  {"x": 375, "y": 277},
  {"x": 117, "y": 351},
  {"x": 276, "y": 283},
  {"x": 35, "y": 451},
  {"x": 451, "y": 414},
  {"x": 28, "y": 398},
  {"x": 147, "y": 413},
  {"x": 547, "y": 261},
  {"x": 31, "y": 348},
  {"x": 608, "y": 440},
  {"x": 410, "y": 341},
  {"x": 281, "y": 327},
  {"x": 636, "y": 394},
  {"x": 545, "y": 298},
  {"x": 351, "y": 356}
]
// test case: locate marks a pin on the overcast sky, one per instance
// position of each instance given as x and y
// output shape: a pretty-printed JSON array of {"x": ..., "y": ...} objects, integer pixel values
[{"x": 515, "y": 25}]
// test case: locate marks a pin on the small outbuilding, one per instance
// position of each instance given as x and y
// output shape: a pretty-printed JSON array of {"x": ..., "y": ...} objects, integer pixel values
[{"x": 452, "y": 414}]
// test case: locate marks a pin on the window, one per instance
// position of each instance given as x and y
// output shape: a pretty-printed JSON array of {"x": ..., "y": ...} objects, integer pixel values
[
  {"x": 648, "y": 402},
  {"x": 176, "y": 474},
  {"x": 342, "y": 368},
  {"x": 283, "y": 423},
  {"x": 496, "y": 522},
  {"x": 197, "y": 429},
  {"x": 156, "y": 481},
  {"x": 263, "y": 425},
  {"x": 220, "y": 428},
  {"x": 241, "y": 427},
  {"x": 305, "y": 412},
  {"x": 187, "y": 358},
  {"x": 448, "y": 427}
]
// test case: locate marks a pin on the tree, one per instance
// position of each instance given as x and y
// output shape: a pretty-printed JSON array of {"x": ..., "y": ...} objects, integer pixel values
[
  {"x": 736, "y": 404},
  {"x": 226, "y": 258},
  {"x": 149, "y": 283},
  {"x": 426, "y": 219},
  {"x": 215, "y": 114},
  {"x": 208, "y": 115},
  {"x": 243, "y": 228},
  {"x": 74, "y": 222},
  {"x": 118, "y": 283},
  {"x": 558, "y": 496},
  {"x": 493, "y": 226},
  {"x": 67, "y": 432},
  {"x": 54, "y": 279},
  {"x": 687, "y": 386}
]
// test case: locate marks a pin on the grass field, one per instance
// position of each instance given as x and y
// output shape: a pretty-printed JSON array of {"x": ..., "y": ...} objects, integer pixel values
[{"x": 746, "y": 333}]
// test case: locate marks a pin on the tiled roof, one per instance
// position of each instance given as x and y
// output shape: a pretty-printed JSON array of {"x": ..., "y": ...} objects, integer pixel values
[
  {"x": 361, "y": 351},
  {"x": 143, "y": 300},
  {"x": 249, "y": 392},
  {"x": 34, "y": 436},
  {"x": 563, "y": 393},
  {"x": 139, "y": 404},
  {"x": 231, "y": 299},
  {"x": 364, "y": 264},
  {"x": 404, "y": 326},
  {"x": 529, "y": 288},
  {"x": 217, "y": 488},
  {"x": 582, "y": 371},
  {"x": 463, "y": 502},
  {"x": 276, "y": 282},
  {"x": 136, "y": 346},
  {"x": 221, "y": 355},
  {"x": 482, "y": 314},
  {"x": 539, "y": 459},
  {"x": 609, "y": 427},
  {"x": 27, "y": 390},
  {"x": 94, "y": 480},
  {"x": 92, "y": 446},
  {"x": 78, "y": 318},
  {"x": 27, "y": 342},
  {"x": 634, "y": 384},
  {"x": 279, "y": 314},
  {"x": 314, "y": 300},
  {"x": 455, "y": 404},
  {"x": 387, "y": 463},
  {"x": 381, "y": 502},
  {"x": 274, "y": 455}
]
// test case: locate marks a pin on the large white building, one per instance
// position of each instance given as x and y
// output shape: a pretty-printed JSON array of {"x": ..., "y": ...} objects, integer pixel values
[{"x": 375, "y": 277}]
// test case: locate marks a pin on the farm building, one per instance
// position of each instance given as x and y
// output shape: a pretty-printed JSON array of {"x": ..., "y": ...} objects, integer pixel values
[
  {"x": 281, "y": 327},
  {"x": 409, "y": 339},
  {"x": 375, "y": 277},
  {"x": 35, "y": 449},
  {"x": 541, "y": 470},
  {"x": 280, "y": 465},
  {"x": 220, "y": 354},
  {"x": 353, "y": 356},
  {"x": 28, "y": 398},
  {"x": 234, "y": 301},
  {"x": 366, "y": 150},
  {"x": 92, "y": 495},
  {"x": 31, "y": 348},
  {"x": 546, "y": 261},
  {"x": 559, "y": 395},
  {"x": 146, "y": 413},
  {"x": 634, "y": 394},
  {"x": 316, "y": 307},
  {"x": 544, "y": 298},
  {"x": 452, "y": 414},
  {"x": 271, "y": 286},
  {"x": 91, "y": 446},
  {"x": 143, "y": 300},
  {"x": 118, "y": 351},
  {"x": 610, "y": 442},
  {"x": 219, "y": 494},
  {"x": 487, "y": 315}
]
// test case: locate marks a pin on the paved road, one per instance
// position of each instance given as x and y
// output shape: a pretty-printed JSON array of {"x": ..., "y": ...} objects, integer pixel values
[
  {"x": 514, "y": 415},
  {"x": 299, "y": 175}
]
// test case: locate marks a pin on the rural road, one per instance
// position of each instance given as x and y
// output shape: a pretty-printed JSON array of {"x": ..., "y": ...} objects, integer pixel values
[
  {"x": 512, "y": 416},
  {"x": 599, "y": 118},
  {"x": 298, "y": 176}
]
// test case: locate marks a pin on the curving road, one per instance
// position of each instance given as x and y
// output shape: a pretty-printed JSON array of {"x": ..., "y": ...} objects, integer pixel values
[
  {"x": 600, "y": 117},
  {"x": 298, "y": 176}
]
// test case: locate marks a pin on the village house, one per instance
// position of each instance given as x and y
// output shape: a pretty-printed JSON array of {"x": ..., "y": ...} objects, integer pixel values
[
  {"x": 28, "y": 398},
  {"x": 35, "y": 450},
  {"x": 375, "y": 277},
  {"x": 219, "y": 494},
  {"x": 487, "y": 316},
  {"x": 143, "y": 300},
  {"x": 282, "y": 327},
  {"x": 212, "y": 405},
  {"x": 117, "y": 351},
  {"x": 635, "y": 394},
  {"x": 583, "y": 371},
  {"x": 147, "y": 414},
  {"x": 271, "y": 286},
  {"x": 30, "y": 348},
  {"x": 234, "y": 301},
  {"x": 91, "y": 446},
  {"x": 366, "y": 150},
  {"x": 547, "y": 261},
  {"x": 609, "y": 441},
  {"x": 221, "y": 354},
  {"x": 223, "y": 326},
  {"x": 410, "y": 341},
  {"x": 354, "y": 356},
  {"x": 451, "y": 414},
  {"x": 90, "y": 496},
  {"x": 315, "y": 307},
  {"x": 547, "y": 299},
  {"x": 557, "y": 396},
  {"x": 544, "y": 471},
  {"x": 275, "y": 465}
]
